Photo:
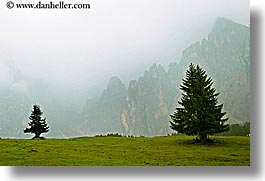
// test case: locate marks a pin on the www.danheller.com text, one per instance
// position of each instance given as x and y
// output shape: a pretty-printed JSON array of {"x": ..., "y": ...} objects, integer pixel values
[{"x": 48, "y": 5}]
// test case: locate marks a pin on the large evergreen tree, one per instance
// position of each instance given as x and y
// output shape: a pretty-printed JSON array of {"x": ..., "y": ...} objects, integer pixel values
[
  {"x": 38, "y": 124},
  {"x": 199, "y": 113}
]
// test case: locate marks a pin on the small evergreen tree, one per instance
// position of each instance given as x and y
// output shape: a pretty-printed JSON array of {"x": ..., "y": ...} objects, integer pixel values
[
  {"x": 199, "y": 115},
  {"x": 38, "y": 124}
]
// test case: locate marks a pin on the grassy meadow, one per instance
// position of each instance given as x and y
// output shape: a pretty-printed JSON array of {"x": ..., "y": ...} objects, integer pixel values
[{"x": 124, "y": 151}]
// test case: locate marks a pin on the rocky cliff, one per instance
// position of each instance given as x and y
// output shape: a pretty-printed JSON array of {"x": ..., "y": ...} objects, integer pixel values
[
  {"x": 144, "y": 107},
  {"x": 148, "y": 103},
  {"x": 225, "y": 55},
  {"x": 102, "y": 116}
]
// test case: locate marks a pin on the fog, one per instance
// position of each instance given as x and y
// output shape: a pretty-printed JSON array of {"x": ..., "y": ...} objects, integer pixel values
[{"x": 75, "y": 52}]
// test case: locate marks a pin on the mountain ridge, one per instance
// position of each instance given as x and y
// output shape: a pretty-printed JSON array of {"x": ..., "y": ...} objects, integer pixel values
[{"x": 224, "y": 55}]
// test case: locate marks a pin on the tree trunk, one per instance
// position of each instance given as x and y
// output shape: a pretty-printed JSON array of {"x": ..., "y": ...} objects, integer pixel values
[
  {"x": 203, "y": 138},
  {"x": 37, "y": 136}
]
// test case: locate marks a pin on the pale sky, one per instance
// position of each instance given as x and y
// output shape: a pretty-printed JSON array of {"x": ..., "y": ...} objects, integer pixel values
[{"x": 77, "y": 51}]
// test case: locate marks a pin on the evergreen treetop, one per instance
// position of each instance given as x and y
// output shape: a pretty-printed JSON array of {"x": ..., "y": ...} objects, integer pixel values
[{"x": 37, "y": 124}]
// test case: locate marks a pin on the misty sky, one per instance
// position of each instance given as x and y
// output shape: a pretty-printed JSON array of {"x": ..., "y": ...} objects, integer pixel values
[{"x": 77, "y": 51}]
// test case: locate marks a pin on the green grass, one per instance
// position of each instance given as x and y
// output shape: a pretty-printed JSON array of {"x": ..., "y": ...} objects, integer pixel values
[{"x": 122, "y": 151}]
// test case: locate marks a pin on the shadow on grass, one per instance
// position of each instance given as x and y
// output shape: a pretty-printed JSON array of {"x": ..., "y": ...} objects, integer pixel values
[{"x": 209, "y": 142}]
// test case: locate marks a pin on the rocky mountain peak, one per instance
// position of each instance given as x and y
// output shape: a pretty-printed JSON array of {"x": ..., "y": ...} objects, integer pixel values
[
  {"x": 221, "y": 23},
  {"x": 114, "y": 89},
  {"x": 224, "y": 27},
  {"x": 154, "y": 72},
  {"x": 115, "y": 82}
]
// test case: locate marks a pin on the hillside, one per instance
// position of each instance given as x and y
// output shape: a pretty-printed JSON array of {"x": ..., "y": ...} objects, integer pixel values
[{"x": 121, "y": 151}]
